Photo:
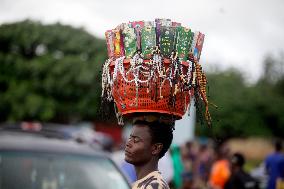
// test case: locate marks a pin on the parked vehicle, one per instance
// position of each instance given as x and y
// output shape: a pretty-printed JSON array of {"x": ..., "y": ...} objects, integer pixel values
[{"x": 30, "y": 160}]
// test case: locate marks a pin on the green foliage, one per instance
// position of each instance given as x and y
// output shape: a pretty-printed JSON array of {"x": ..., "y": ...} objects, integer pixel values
[
  {"x": 49, "y": 72},
  {"x": 246, "y": 110}
]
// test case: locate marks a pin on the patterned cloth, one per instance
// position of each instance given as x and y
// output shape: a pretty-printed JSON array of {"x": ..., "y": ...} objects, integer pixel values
[{"x": 153, "y": 180}]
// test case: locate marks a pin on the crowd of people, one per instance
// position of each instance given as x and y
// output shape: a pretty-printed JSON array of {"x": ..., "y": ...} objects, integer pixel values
[{"x": 198, "y": 165}]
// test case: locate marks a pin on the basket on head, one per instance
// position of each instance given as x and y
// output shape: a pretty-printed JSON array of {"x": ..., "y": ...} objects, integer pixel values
[{"x": 152, "y": 67}]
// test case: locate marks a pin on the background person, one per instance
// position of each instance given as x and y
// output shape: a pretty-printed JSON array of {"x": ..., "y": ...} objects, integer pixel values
[
  {"x": 240, "y": 179},
  {"x": 274, "y": 164}
]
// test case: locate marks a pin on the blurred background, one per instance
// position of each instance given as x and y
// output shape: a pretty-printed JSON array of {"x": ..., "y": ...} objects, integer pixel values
[{"x": 51, "y": 54}]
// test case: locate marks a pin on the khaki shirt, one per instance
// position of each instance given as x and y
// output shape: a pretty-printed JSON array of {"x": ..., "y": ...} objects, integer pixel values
[{"x": 153, "y": 180}]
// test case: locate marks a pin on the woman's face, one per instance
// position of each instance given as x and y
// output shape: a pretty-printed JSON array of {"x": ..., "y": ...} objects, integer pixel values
[{"x": 138, "y": 150}]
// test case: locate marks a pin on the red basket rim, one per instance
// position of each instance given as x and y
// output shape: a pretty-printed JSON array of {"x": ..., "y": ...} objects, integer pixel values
[{"x": 129, "y": 112}]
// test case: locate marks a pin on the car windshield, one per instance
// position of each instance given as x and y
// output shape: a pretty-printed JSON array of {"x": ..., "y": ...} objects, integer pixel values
[{"x": 45, "y": 171}]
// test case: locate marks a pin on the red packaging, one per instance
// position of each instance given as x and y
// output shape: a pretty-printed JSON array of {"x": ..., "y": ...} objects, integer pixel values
[
  {"x": 175, "y": 24},
  {"x": 199, "y": 45}
]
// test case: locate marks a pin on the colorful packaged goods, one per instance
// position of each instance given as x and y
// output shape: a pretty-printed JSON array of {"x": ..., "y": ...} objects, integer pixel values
[
  {"x": 118, "y": 43},
  {"x": 129, "y": 40},
  {"x": 184, "y": 38},
  {"x": 176, "y": 24},
  {"x": 159, "y": 23},
  {"x": 138, "y": 25},
  {"x": 148, "y": 40},
  {"x": 153, "y": 68},
  {"x": 197, "y": 45},
  {"x": 110, "y": 43},
  {"x": 167, "y": 40}
]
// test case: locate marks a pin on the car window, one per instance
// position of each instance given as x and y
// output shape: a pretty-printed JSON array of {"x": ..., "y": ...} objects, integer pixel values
[{"x": 45, "y": 171}]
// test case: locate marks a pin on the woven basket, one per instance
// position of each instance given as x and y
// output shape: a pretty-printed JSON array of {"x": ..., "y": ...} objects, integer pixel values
[{"x": 154, "y": 97}]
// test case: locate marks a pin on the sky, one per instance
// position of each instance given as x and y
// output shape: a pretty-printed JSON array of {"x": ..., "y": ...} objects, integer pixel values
[{"x": 238, "y": 33}]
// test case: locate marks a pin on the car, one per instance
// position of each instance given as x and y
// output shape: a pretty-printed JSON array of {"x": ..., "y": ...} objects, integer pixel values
[
  {"x": 84, "y": 134},
  {"x": 31, "y": 160}
]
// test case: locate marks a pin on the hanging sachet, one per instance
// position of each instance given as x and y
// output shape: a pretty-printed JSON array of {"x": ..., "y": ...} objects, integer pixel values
[
  {"x": 110, "y": 43},
  {"x": 167, "y": 40},
  {"x": 129, "y": 40},
  {"x": 184, "y": 38},
  {"x": 197, "y": 45},
  {"x": 118, "y": 43},
  {"x": 148, "y": 40},
  {"x": 159, "y": 23},
  {"x": 138, "y": 25}
]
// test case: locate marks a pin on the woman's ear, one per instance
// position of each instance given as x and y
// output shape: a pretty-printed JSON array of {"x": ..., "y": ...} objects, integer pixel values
[{"x": 157, "y": 148}]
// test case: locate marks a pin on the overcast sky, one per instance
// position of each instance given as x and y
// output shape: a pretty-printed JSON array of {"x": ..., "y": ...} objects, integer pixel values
[{"x": 238, "y": 33}]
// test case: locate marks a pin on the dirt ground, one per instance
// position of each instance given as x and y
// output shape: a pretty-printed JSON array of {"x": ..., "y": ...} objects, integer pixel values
[{"x": 252, "y": 148}]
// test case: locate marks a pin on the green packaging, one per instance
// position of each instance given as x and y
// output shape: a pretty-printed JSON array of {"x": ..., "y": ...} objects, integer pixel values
[
  {"x": 184, "y": 38},
  {"x": 148, "y": 41}
]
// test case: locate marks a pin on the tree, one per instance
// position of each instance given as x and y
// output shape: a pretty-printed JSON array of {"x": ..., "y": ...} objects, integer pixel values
[
  {"x": 237, "y": 114},
  {"x": 271, "y": 86},
  {"x": 49, "y": 72},
  {"x": 247, "y": 110}
]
